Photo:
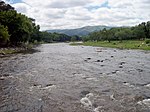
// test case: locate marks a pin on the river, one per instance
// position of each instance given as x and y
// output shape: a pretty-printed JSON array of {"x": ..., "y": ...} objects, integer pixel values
[{"x": 64, "y": 78}]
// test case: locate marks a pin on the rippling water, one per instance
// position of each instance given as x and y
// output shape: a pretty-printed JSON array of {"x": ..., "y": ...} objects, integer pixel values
[{"x": 63, "y": 78}]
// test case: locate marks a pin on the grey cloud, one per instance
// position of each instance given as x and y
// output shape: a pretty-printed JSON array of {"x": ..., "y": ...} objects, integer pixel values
[{"x": 67, "y": 4}]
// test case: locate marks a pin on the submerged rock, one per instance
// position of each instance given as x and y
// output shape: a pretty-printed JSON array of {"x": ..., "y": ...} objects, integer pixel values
[
  {"x": 88, "y": 58},
  {"x": 85, "y": 92},
  {"x": 86, "y": 102},
  {"x": 145, "y": 102}
]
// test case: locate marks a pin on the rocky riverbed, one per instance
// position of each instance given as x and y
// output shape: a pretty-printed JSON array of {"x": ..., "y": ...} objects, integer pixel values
[{"x": 64, "y": 78}]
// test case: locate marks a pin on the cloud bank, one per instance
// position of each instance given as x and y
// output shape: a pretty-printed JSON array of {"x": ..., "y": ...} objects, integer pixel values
[{"x": 66, "y": 14}]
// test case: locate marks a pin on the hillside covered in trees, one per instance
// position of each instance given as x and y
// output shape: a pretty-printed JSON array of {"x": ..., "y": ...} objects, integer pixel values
[
  {"x": 83, "y": 31},
  {"x": 139, "y": 32}
]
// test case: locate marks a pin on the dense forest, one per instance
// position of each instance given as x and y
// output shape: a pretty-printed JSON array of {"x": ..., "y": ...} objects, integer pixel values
[{"x": 139, "y": 32}]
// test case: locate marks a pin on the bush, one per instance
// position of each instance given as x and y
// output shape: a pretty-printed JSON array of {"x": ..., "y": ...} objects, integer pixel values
[
  {"x": 147, "y": 41},
  {"x": 114, "y": 43},
  {"x": 4, "y": 36}
]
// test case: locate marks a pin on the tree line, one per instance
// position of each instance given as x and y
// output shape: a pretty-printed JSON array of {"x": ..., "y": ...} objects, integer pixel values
[
  {"x": 57, "y": 37},
  {"x": 138, "y": 32}
]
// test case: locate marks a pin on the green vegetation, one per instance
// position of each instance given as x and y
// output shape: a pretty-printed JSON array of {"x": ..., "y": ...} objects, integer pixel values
[
  {"x": 15, "y": 28},
  {"x": 147, "y": 41},
  {"x": 76, "y": 43},
  {"x": 19, "y": 31},
  {"x": 139, "y": 32},
  {"x": 54, "y": 37},
  {"x": 7, "y": 51},
  {"x": 57, "y": 37},
  {"x": 4, "y": 36},
  {"x": 137, "y": 37},
  {"x": 126, "y": 44}
]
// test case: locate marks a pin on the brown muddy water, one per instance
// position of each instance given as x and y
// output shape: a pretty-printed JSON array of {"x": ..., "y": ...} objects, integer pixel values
[{"x": 64, "y": 78}]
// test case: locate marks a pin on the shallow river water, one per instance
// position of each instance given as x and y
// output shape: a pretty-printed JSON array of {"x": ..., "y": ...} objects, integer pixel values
[{"x": 64, "y": 78}]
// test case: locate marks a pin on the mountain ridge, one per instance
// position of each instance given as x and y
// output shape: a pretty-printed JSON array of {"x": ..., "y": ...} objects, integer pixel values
[{"x": 80, "y": 31}]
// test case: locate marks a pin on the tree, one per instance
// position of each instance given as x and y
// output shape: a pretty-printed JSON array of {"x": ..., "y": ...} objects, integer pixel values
[
  {"x": 109, "y": 35},
  {"x": 94, "y": 36},
  {"x": 85, "y": 38},
  {"x": 46, "y": 37},
  {"x": 139, "y": 32},
  {"x": 4, "y": 36},
  {"x": 148, "y": 29},
  {"x": 5, "y": 7},
  {"x": 35, "y": 34},
  {"x": 75, "y": 38},
  {"x": 19, "y": 26},
  {"x": 121, "y": 35}
]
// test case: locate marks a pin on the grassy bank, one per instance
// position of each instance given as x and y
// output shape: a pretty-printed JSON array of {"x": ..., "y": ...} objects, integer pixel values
[
  {"x": 128, "y": 44},
  {"x": 16, "y": 49},
  {"x": 4, "y": 51}
]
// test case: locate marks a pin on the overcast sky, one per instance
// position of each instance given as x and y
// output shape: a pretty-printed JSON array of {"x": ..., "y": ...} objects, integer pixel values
[{"x": 66, "y": 14}]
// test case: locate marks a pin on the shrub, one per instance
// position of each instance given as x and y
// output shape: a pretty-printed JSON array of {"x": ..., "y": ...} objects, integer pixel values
[
  {"x": 4, "y": 36},
  {"x": 147, "y": 41}
]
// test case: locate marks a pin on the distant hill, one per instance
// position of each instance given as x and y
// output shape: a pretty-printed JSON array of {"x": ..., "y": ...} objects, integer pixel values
[{"x": 80, "y": 31}]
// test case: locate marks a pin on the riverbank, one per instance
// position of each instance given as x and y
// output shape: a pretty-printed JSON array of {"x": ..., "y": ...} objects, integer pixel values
[
  {"x": 10, "y": 50},
  {"x": 127, "y": 44},
  {"x": 5, "y": 51}
]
